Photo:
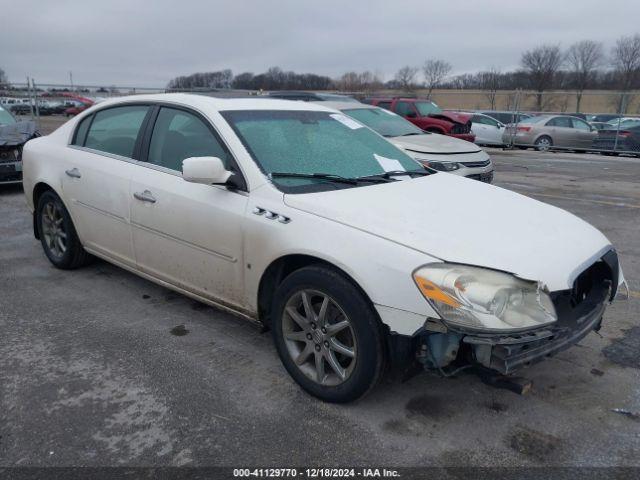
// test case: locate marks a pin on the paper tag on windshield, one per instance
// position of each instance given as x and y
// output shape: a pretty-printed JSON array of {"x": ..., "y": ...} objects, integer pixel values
[
  {"x": 389, "y": 164},
  {"x": 343, "y": 119}
]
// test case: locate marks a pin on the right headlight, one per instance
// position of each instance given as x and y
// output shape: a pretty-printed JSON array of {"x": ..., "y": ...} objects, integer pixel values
[{"x": 483, "y": 299}]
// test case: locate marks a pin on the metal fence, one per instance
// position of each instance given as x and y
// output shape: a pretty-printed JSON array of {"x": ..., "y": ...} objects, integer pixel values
[{"x": 554, "y": 121}]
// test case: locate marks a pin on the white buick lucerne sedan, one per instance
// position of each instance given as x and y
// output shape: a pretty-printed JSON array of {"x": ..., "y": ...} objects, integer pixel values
[{"x": 298, "y": 217}]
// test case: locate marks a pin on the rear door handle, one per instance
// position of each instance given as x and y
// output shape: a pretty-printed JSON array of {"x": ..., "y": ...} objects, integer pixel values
[
  {"x": 73, "y": 173},
  {"x": 145, "y": 196}
]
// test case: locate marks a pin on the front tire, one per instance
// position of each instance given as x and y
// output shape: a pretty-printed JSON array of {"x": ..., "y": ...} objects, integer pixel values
[
  {"x": 58, "y": 235},
  {"x": 327, "y": 334}
]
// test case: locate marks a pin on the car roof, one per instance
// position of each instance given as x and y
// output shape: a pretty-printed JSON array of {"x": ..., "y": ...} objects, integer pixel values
[
  {"x": 347, "y": 105},
  {"x": 220, "y": 104}
]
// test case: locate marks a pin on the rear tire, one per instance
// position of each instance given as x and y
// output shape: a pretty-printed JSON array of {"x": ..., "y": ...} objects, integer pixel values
[
  {"x": 544, "y": 143},
  {"x": 58, "y": 235},
  {"x": 327, "y": 334}
]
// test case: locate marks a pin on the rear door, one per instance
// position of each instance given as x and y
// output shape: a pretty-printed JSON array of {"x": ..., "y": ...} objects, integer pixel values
[
  {"x": 187, "y": 234},
  {"x": 97, "y": 175}
]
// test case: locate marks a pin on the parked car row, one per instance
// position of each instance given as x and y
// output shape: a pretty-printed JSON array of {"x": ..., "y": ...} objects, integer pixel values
[{"x": 301, "y": 218}]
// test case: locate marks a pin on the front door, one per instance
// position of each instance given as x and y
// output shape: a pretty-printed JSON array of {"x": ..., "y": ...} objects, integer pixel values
[{"x": 187, "y": 234}]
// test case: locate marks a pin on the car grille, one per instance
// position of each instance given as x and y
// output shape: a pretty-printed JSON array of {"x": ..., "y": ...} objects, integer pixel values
[
  {"x": 484, "y": 163},
  {"x": 483, "y": 177},
  {"x": 459, "y": 128}
]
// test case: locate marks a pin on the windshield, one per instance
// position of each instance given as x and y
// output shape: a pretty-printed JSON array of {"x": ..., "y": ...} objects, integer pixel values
[
  {"x": 427, "y": 108},
  {"x": 314, "y": 142},
  {"x": 6, "y": 118},
  {"x": 384, "y": 122}
]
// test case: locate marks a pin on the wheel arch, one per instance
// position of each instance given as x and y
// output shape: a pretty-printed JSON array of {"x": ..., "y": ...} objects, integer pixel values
[
  {"x": 38, "y": 190},
  {"x": 283, "y": 266}
]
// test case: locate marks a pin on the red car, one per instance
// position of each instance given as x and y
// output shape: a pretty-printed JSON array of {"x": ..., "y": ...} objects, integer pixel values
[
  {"x": 73, "y": 111},
  {"x": 428, "y": 116}
]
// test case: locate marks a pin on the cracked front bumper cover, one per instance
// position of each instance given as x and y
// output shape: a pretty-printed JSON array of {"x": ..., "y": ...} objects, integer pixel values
[{"x": 507, "y": 354}]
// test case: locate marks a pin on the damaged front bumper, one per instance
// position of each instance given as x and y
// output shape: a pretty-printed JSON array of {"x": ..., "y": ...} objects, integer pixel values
[
  {"x": 508, "y": 353},
  {"x": 580, "y": 311}
]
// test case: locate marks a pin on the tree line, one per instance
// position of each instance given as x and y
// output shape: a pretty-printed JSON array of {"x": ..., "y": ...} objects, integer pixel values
[{"x": 584, "y": 65}]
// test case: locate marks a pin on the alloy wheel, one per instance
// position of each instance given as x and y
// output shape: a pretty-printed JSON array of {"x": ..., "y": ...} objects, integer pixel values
[
  {"x": 319, "y": 337},
  {"x": 53, "y": 229}
]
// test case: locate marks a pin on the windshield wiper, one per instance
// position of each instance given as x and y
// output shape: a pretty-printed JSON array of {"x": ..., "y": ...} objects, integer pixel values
[
  {"x": 411, "y": 133},
  {"x": 395, "y": 173},
  {"x": 330, "y": 177}
]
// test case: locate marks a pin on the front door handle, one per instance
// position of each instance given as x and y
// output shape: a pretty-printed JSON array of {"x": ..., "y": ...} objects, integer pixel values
[
  {"x": 145, "y": 196},
  {"x": 73, "y": 173}
]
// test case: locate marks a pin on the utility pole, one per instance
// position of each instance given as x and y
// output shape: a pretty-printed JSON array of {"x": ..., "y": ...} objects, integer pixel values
[{"x": 71, "y": 79}]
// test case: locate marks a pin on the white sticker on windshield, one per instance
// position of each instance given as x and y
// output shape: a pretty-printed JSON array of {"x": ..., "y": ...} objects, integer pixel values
[
  {"x": 343, "y": 119},
  {"x": 389, "y": 164}
]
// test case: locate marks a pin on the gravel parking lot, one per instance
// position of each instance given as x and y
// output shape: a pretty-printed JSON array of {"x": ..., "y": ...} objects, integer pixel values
[{"x": 100, "y": 367}]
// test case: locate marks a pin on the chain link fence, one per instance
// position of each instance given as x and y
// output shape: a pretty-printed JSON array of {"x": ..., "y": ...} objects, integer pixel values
[{"x": 547, "y": 121}]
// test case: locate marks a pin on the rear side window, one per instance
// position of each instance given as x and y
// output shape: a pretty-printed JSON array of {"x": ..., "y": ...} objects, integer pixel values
[
  {"x": 560, "y": 122},
  {"x": 178, "y": 135},
  {"x": 115, "y": 130},
  {"x": 385, "y": 105},
  {"x": 81, "y": 131}
]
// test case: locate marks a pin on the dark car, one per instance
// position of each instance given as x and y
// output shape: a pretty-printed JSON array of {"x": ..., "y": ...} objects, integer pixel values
[
  {"x": 604, "y": 117},
  {"x": 506, "y": 116},
  {"x": 428, "y": 116},
  {"x": 611, "y": 141},
  {"x": 13, "y": 136},
  {"x": 20, "y": 109},
  {"x": 311, "y": 96}
]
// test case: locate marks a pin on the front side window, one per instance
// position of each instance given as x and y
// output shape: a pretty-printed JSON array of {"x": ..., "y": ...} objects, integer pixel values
[
  {"x": 115, "y": 130},
  {"x": 312, "y": 142},
  {"x": 580, "y": 125},
  {"x": 178, "y": 135},
  {"x": 385, "y": 105},
  {"x": 404, "y": 108},
  {"x": 427, "y": 108},
  {"x": 386, "y": 123}
]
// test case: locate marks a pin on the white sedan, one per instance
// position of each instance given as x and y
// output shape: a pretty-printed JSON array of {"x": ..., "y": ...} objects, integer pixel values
[
  {"x": 295, "y": 216},
  {"x": 488, "y": 130},
  {"x": 439, "y": 152}
]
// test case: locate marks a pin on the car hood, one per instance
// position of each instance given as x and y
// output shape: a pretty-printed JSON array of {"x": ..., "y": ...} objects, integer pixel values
[
  {"x": 465, "y": 221},
  {"x": 17, "y": 134},
  {"x": 455, "y": 117},
  {"x": 434, "y": 143}
]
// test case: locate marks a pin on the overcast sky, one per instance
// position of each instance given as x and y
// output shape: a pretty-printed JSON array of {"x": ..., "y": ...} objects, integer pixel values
[{"x": 146, "y": 43}]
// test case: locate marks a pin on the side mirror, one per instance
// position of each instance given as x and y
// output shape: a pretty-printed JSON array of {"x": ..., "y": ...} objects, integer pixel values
[{"x": 206, "y": 170}]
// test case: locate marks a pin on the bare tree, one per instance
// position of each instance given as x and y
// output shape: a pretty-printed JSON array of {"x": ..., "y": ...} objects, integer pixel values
[
  {"x": 405, "y": 77},
  {"x": 625, "y": 58},
  {"x": 434, "y": 72},
  {"x": 583, "y": 58},
  {"x": 490, "y": 83},
  {"x": 541, "y": 65}
]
